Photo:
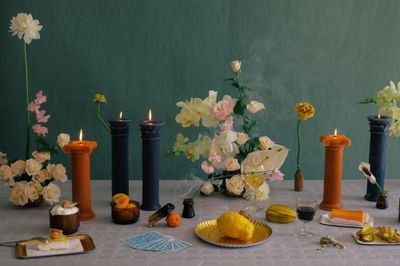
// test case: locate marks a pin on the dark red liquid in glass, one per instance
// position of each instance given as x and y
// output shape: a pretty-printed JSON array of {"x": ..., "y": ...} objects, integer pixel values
[{"x": 305, "y": 213}]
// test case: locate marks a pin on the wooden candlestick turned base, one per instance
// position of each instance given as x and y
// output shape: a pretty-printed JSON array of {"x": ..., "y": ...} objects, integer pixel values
[{"x": 298, "y": 180}]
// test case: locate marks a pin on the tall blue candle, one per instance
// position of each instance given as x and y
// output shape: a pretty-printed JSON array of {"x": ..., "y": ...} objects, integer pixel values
[
  {"x": 120, "y": 155},
  {"x": 379, "y": 127},
  {"x": 150, "y": 163}
]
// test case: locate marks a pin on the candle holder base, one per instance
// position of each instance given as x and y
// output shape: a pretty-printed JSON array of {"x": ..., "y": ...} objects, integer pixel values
[
  {"x": 87, "y": 216},
  {"x": 328, "y": 206}
]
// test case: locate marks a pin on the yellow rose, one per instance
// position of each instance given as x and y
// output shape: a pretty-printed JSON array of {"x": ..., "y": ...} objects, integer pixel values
[
  {"x": 254, "y": 106},
  {"x": 51, "y": 193},
  {"x": 232, "y": 164},
  {"x": 42, "y": 176},
  {"x": 41, "y": 157},
  {"x": 18, "y": 167},
  {"x": 304, "y": 110},
  {"x": 99, "y": 98},
  {"x": 235, "y": 66},
  {"x": 19, "y": 193},
  {"x": 6, "y": 172},
  {"x": 63, "y": 139},
  {"x": 242, "y": 138},
  {"x": 235, "y": 185},
  {"x": 57, "y": 171},
  {"x": 34, "y": 190},
  {"x": 32, "y": 167}
]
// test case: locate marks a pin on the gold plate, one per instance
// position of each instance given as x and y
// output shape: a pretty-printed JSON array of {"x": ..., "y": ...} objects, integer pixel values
[
  {"x": 208, "y": 232},
  {"x": 86, "y": 241}
]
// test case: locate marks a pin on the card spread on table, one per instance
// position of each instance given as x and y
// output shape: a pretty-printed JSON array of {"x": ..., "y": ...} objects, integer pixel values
[{"x": 155, "y": 241}]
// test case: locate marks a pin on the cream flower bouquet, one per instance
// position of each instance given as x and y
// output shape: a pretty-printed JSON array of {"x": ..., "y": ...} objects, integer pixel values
[
  {"x": 31, "y": 179},
  {"x": 230, "y": 155}
]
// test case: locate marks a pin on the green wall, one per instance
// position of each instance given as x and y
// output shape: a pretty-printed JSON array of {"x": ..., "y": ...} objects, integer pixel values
[{"x": 144, "y": 54}]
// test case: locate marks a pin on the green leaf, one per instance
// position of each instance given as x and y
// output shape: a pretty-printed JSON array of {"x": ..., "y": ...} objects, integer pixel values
[
  {"x": 368, "y": 100},
  {"x": 240, "y": 107},
  {"x": 253, "y": 144},
  {"x": 236, "y": 85},
  {"x": 228, "y": 79}
]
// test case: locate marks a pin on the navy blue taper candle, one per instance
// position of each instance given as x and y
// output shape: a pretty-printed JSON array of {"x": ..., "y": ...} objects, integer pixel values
[
  {"x": 150, "y": 163},
  {"x": 379, "y": 128},
  {"x": 119, "y": 130}
]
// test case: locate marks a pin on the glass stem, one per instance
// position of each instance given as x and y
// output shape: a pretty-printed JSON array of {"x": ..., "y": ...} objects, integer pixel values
[{"x": 304, "y": 228}]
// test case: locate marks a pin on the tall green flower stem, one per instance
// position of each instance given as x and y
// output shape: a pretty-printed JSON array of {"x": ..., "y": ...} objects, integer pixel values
[
  {"x": 298, "y": 145},
  {"x": 28, "y": 117},
  {"x": 104, "y": 123}
]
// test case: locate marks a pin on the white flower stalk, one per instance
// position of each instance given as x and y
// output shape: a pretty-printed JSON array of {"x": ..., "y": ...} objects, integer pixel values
[
  {"x": 25, "y": 27},
  {"x": 365, "y": 168}
]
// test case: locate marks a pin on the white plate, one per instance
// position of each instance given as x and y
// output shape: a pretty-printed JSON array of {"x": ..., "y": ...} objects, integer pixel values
[
  {"x": 377, "y": 241},
  {"x": 326, "y": 221}
]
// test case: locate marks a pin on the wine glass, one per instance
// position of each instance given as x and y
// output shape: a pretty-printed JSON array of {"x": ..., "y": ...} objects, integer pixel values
[
  {"x": 305, "y": 212},
  {"x": 254, "y": 179}
]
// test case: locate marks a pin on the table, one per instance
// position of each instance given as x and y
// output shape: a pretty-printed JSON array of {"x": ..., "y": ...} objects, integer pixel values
[{"x": 281, "y": 249}]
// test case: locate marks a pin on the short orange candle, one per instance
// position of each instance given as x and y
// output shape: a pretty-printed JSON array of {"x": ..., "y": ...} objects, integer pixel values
[
  {"x": 334, "y": 145},
  {"x": 80, "y": 163}
]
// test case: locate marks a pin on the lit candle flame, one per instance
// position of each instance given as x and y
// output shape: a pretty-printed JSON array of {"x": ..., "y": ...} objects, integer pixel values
[
  {"x": 335, "y": 132},
  {"x": 379, "y": 116},
  {"x": 80, "y": 135},
  {"x": 150, "y": 117},
  {"x": 120, "y": 115}
]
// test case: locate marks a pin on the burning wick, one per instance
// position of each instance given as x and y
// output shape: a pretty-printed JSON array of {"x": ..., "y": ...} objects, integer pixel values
[
  {"x": 150, "y": 116},
  {"x": 80, "y": 136},
  {"x": 379, "y": 116},
  {"x": 120, "y": 115},
  {"x": 335, "y": 133}
]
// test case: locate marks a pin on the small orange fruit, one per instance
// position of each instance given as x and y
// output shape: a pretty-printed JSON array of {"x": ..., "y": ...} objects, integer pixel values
[
  {"x": 120, "y": 201},
  {"x": 174, "y": 219}
]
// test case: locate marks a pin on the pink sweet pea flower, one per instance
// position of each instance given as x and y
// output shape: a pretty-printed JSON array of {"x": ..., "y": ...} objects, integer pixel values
[
  {"x": 40, "y": 117},
  {"x": 207, "y": 168},
  {"x": 33, "y": 106},
  {"x": 276, "y": 175},
  {"x": 228, "y": 124},
  {"x": 40, "y": 130},
  {"x": 214, "y": 157},
  {"x": 40, "y": 97}
]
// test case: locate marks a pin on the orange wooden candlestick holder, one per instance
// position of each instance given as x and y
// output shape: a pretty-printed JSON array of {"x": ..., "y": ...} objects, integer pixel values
[
  {"x": 80, "y": 164},
  {"x": 334, "y": 145}
]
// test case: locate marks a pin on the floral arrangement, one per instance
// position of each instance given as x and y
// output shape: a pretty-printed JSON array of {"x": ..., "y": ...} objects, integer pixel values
[
  {"x": 304, "y": 111},
  {"x": 388, "y": 100},
  {"x": 229, "y": 155},
  {"x": 31, "y": 179}
]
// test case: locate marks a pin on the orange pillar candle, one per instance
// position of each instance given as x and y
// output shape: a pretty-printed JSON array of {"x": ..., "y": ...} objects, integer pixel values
[
  {"x": 80, "y": 164},
  {"x": 334, "y": 145}
]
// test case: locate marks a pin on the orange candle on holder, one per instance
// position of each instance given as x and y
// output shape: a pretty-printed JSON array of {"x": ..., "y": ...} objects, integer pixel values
[
  {"x": 334, "y": 145},
  {"x": 80, "y": 151}
]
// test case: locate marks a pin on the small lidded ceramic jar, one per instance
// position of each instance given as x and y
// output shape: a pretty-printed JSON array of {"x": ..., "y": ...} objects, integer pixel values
[{"x": 65, "y": 216}]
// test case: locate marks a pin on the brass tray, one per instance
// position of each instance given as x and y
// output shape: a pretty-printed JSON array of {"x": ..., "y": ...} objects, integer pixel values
[
  {"x": 208, "y": 232},
  {"x": 86, "y": 241}
]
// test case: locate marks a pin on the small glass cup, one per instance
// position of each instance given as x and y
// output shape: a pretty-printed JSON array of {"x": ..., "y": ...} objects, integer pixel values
[
  {"x": 305, "y": 212},
  {"x": 253, "y": 181}
]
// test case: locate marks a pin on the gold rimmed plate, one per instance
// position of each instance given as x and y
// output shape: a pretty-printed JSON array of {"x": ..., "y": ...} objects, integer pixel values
[{"x": 208, "y": 232}]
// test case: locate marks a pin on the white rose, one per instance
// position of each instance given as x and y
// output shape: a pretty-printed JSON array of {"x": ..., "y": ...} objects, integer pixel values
[
  {"x": 34, "y": 190},
  {"x": 32, "y": 167},
  {"x": 235, "y": 185},
  {"x": 235, "y": 65},
  {"x": 51, "y": 193},
  {"x": 18, "y": 167},
  {"x": 242, "y": 138},
  {"x": 232, "y": 164},
  {"x": 3, "y": 158},
  {"x": 42, "y": 176},
  {"x": 254, "y": 106},
  {"x": 207, "y": 188},
  {"x": 63, "y": 139},
  {"x": 41, "y": 157},
  {"x": 57, "y": 171},
  {"x": 19, "y": 193},
  {"x": 265, "y": 142},
  {"x": 6, "y": 173}
]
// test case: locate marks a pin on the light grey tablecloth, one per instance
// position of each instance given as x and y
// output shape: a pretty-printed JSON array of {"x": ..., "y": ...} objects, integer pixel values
[{"x": 281, "y": 249}]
